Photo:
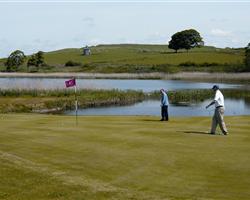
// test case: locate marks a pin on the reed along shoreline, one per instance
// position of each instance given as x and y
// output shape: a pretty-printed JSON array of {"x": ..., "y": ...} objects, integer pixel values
[{"x": 194, "y": 76}]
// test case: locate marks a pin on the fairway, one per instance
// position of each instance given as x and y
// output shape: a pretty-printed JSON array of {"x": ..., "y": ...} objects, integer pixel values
[{"x": 115, "y": 157}]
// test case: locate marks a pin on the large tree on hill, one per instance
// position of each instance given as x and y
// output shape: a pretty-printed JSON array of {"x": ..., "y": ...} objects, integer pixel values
[
  {"x": 15, "y": 59},
  {"x": 247, "y": 59},
  {"x": 186, "y": 39}
]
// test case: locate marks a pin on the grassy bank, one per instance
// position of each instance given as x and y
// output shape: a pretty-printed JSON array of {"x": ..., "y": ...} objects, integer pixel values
[
  {"x": 49, "y": 157},
  {"x": 61, "y": 100},
  {"x": 190, "y": 76}
]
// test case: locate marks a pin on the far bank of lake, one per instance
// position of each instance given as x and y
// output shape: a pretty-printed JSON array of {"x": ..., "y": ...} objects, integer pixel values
[
  {"x": 145, "y": 85},
  {"x": 193, "y": 76}
]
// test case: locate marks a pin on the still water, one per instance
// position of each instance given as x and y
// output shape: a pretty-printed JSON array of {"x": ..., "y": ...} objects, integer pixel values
[{"x": 152, "y": 107}]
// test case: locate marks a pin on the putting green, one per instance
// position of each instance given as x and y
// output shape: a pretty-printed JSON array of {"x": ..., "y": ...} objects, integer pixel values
[{"x": 116, "y": 157}]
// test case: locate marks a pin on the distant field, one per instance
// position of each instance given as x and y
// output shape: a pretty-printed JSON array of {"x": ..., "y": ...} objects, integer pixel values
[
  {"x": 137, "y": 58},
  {"x": 49, "y": 157}
]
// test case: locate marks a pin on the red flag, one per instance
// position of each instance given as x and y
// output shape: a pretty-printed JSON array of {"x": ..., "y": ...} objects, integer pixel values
[{"x": 70, "y": 83}]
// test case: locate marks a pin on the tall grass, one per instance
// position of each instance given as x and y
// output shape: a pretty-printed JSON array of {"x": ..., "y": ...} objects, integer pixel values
[
  {"x": 188, "y": 96},
  {"x": 199, "y": 95},
  {"x": 60, "y": 100}
]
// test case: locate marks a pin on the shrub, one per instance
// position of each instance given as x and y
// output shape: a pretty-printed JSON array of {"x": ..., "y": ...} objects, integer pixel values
[
  {"x": 188, "y": 64},
  {"x": 206, "y": 64},
  {"x": 71, "y": 63},
  {"x": 33, "y": 69}
]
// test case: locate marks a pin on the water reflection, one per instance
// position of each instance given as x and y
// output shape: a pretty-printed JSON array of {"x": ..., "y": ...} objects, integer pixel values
[{"x": 152, "y": 107}]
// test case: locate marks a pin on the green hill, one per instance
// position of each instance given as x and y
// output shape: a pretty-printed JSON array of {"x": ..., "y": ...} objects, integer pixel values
[{"x": 141, "y": 58}]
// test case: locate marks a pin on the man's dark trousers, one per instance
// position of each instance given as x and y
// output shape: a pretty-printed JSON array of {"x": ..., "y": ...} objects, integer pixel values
[{"x": 164, "y": 113}]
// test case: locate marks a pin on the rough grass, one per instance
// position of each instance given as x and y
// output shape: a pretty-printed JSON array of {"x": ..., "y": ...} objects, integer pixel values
[
  {"x": 50, "y": 157},
  {"x": 61, "y": 100}
]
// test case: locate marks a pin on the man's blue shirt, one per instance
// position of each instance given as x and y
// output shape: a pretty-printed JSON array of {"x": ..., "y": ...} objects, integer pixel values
[{"x": 164, "y": 99}]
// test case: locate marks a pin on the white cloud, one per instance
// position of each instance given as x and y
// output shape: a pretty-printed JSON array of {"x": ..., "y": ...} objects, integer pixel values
[{"x": 221, "y": 33}]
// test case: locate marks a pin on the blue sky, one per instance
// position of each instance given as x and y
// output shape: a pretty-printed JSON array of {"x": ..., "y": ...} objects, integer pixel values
[{"x": 49, "y": 25}]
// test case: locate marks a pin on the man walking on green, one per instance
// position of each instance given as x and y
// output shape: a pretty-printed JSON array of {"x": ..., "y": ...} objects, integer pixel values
[
  {"x": 219, "y": 111},
  {"x": 164, "y": 105}
]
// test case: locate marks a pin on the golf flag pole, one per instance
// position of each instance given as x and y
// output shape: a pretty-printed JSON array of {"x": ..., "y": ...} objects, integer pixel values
[
  {"x": 71, "y": 83},
  {"x": 76, "y": 105}
]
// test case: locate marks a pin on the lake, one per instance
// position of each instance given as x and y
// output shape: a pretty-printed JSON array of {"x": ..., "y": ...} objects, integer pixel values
[{"x": 152, "y": 107}]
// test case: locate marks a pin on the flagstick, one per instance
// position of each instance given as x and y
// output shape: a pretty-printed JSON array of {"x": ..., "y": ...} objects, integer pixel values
[{"x": 76, "y": 106}]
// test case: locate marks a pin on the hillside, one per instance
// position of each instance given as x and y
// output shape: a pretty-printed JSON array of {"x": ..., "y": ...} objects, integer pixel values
[{"x": 140, "y": 58}]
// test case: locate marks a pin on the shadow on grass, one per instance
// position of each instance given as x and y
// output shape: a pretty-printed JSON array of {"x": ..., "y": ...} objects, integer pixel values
[
  {"x": 195, "y": 132},
  {"x": 153, "y": 120}
]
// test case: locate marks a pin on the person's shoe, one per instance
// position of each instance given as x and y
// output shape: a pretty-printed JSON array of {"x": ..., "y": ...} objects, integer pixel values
[
  {"x": 225, "y": 133},
  {"x": 212, "y": 133},
  {"x": 161, "y": 119}
]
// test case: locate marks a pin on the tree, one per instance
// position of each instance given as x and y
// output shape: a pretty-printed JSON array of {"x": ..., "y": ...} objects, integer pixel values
[
  {"x": 32, "y": 61},
  {"x": 176, "y": 41},
  {"x": 186, "y": 39},
  {"x": 247, "y": 58},
  {"x": 36, "y": 59},
  {"x": 15, "y": 59},
  {"x": 40, "y": 58}
]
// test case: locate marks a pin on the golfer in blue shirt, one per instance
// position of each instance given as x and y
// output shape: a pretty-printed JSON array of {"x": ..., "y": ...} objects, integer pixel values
[{"x": 164, "y": 105}]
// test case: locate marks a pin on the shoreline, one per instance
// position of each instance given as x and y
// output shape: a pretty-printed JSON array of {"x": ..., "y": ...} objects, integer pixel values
[{"x": 177, "y": 76}]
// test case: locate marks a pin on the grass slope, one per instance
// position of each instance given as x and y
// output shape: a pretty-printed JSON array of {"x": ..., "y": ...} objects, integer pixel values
[
  {"x": 144, "y": 55},
  {"x": 49, "y": 157},
  {"x": 135, "y": 58}
]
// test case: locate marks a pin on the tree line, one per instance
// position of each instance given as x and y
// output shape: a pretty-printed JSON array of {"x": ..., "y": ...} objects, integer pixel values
[{"x": 17, "y": 58}]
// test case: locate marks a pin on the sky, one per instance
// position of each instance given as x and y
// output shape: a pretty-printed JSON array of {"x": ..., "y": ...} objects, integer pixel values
[{"x": 34, "y": 25}]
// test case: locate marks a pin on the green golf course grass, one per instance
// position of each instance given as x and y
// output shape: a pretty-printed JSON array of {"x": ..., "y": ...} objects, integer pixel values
[{"x": 122, "y": 157}]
